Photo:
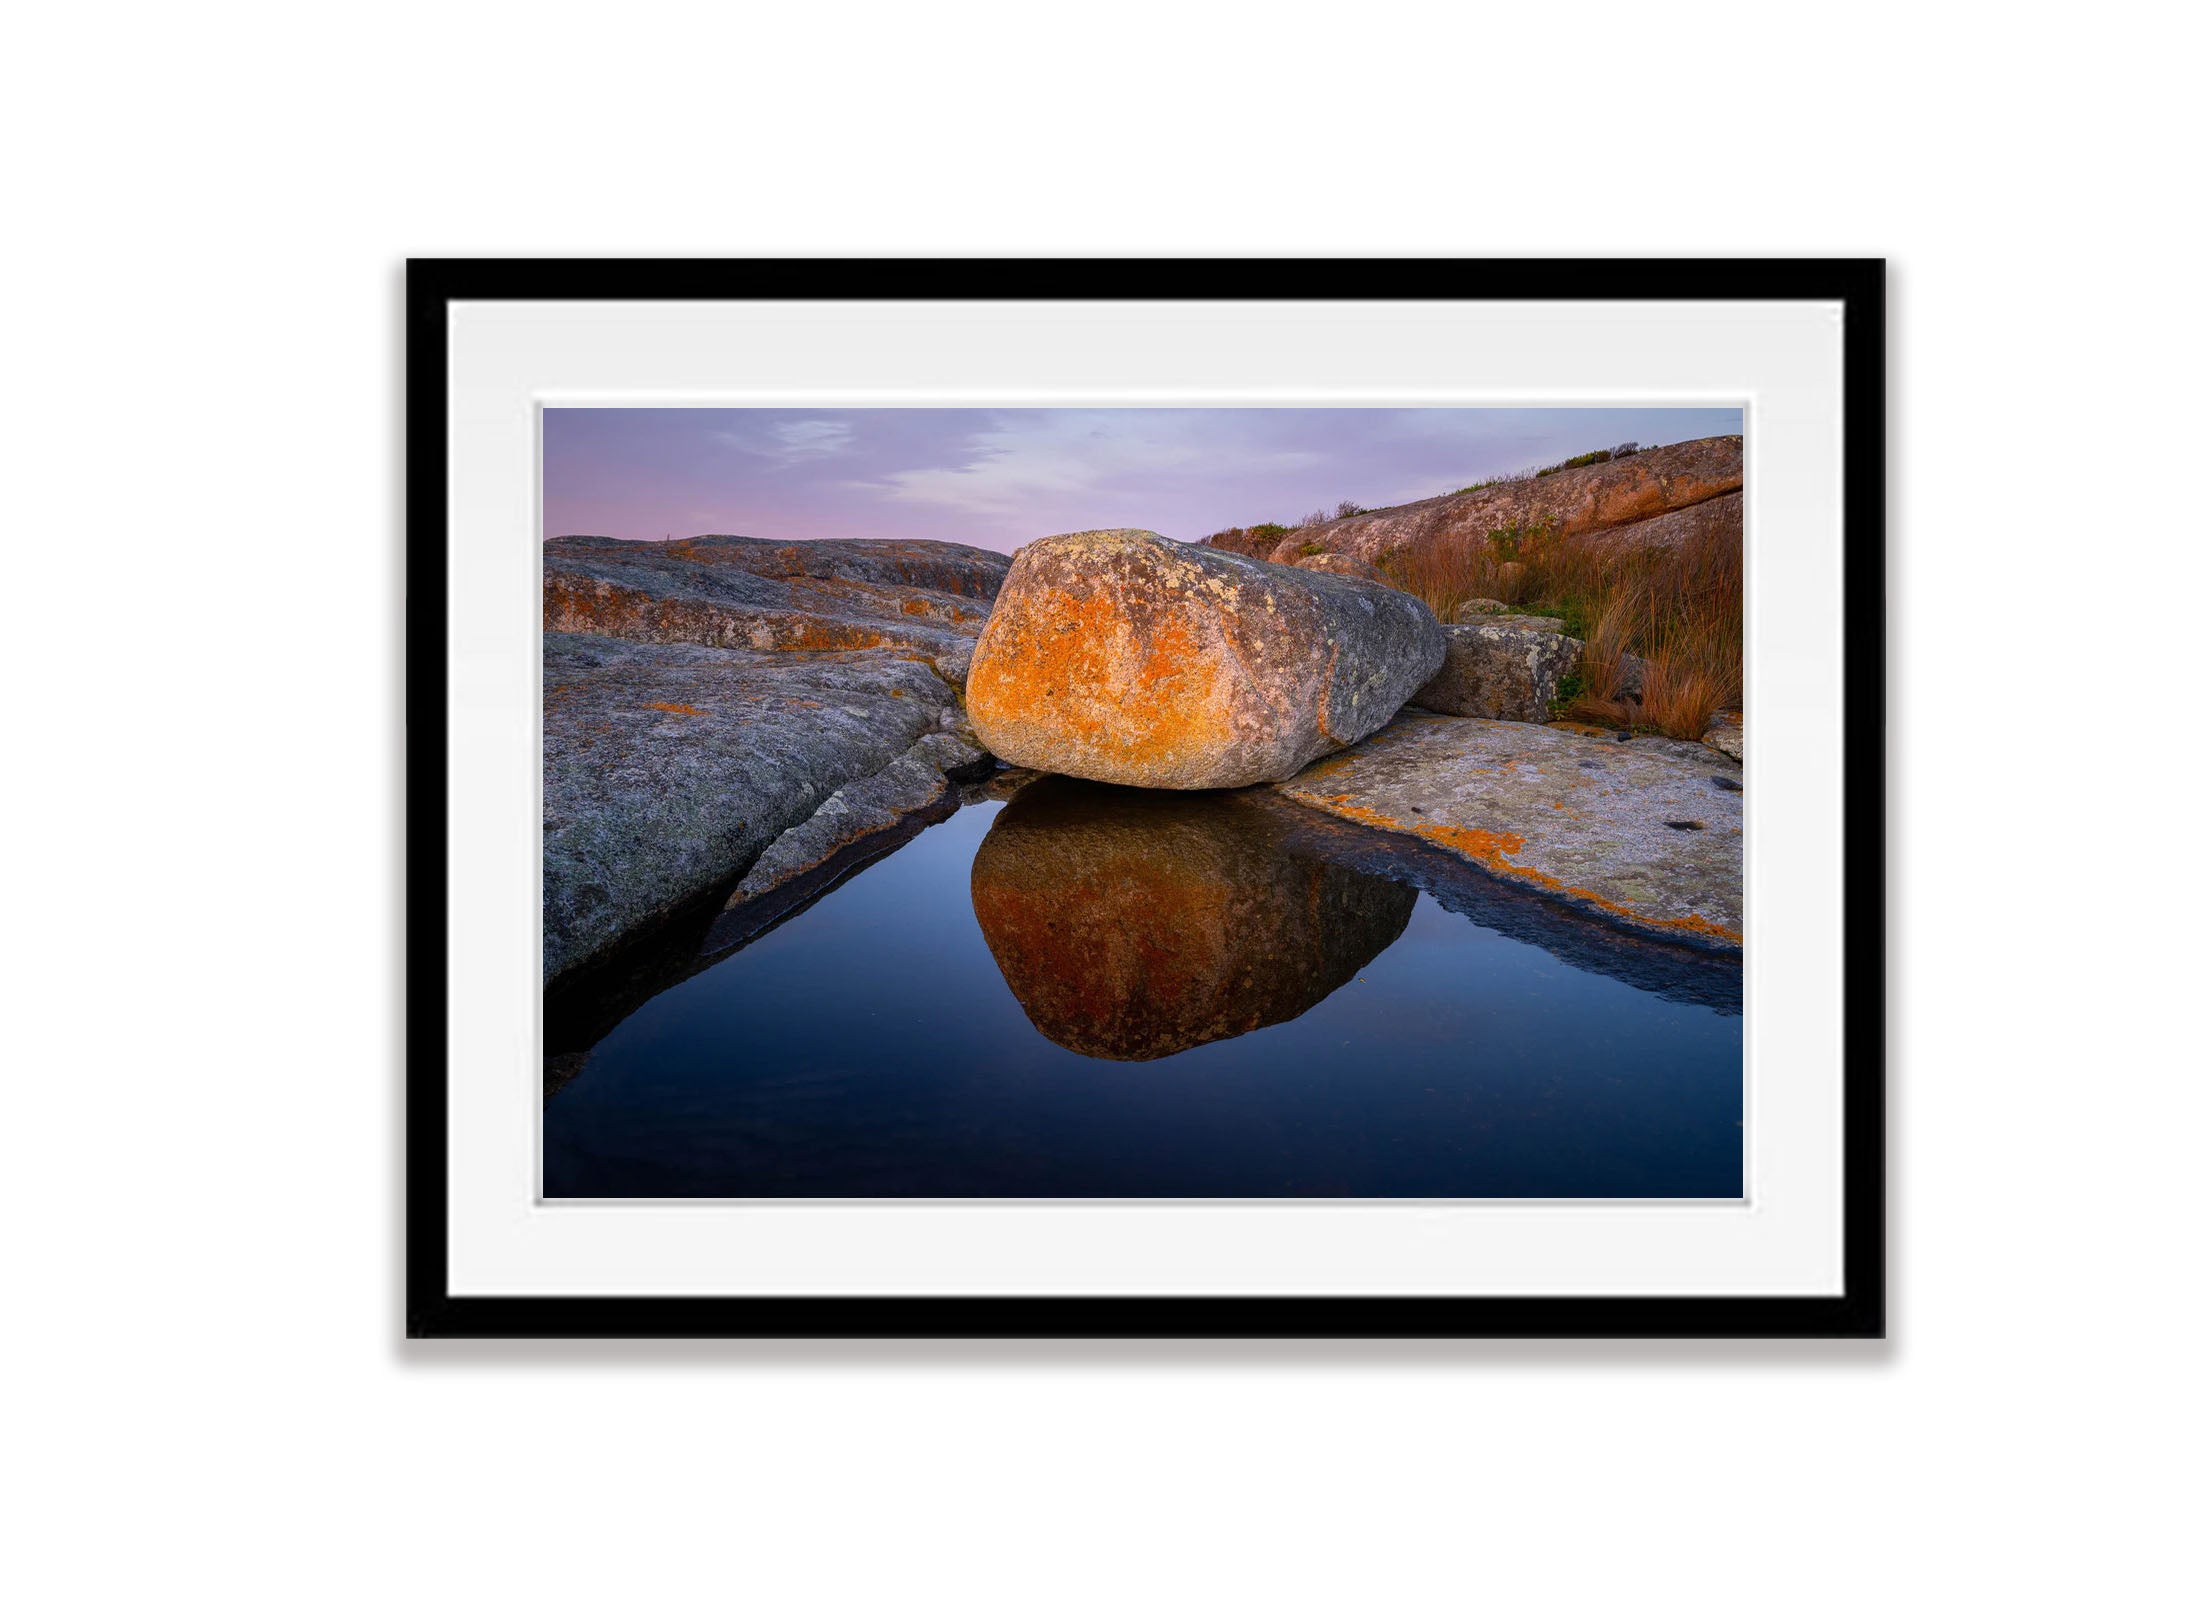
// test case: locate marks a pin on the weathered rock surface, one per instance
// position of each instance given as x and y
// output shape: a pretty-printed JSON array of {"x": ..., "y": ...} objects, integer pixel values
[
  {"x": 917, "y": 785},
  {"x": 927, "y": 598},
  {"x": 1505, "y": 667},
  {"x": 1134, "y": 925},
  {"x": 1337, "y": 564},
  {"x": 669, "y": 768},
  {"x": 1725, "y": 733},
  {"x": 1673, "y": 529},
  {"x": 1697, "y": 974},
  {"x": 1245, "y": 541},
  {"x": 1124, "y": 657},
  {"x": 1579, "y": 500},
  {"x": 1646, "y": 831}
]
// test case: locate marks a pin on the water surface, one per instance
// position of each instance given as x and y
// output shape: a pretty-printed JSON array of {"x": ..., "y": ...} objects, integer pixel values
[{"x": 1102, "y": 993}]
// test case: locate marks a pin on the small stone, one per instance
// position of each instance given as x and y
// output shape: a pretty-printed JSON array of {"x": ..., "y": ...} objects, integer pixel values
[{"x": 1725, "y": 734}]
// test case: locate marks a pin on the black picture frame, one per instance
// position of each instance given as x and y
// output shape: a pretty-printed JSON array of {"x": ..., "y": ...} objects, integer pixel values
[{"x": 1859, "y": 1311}]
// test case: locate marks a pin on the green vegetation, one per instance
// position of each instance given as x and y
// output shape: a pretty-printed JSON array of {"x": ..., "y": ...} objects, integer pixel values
[
  {"x": 1515, "y": 539},
  {"x": 1312, "y": 547},
  {"x": 1570, "y": 688},
  {"x": 1572, "y": 611},
  {"x": 1588, "y": 458}
]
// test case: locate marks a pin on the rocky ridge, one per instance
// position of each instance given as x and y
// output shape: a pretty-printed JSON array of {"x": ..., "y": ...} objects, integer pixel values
[
  {"x": 1631, "y": 497},
  {"x": 929, "y": 599}
]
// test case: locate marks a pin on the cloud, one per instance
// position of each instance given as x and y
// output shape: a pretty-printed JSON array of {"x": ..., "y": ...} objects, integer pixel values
[
  {"x": 791, "y": 443},
  {"x": 1036, "y": 464}
]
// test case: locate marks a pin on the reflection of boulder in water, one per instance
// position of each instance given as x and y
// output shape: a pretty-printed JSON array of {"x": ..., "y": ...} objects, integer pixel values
[{"x": 1132, "y": 924}]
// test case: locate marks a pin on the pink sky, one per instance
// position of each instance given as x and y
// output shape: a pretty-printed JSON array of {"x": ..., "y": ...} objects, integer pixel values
[{"x": 999, "y": 478}]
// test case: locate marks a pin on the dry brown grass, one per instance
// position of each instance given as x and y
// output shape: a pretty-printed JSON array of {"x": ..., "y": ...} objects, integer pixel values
[
  {"x": 1611, "y": 629},
  {"x": 1680, "y": 609},
  {"x": 1442, "y": 573}
]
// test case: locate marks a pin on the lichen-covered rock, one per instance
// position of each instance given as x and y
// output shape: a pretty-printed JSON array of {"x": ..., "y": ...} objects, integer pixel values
[
  {"x": 1337, "y": 564},
  {"x": 1505, "y": 667},
  {"x": 1133, "y": 925},
  {"x": 1579, "y": 500},
  {"x": 1128, "y": 658},
  {"x": 1671, "y": 530},
  {"x": 1695, "y": 973},
  {"x": 918, "y": 785},
  {"x": 668, "y": 768},
  {"x": 1725, "y": 733},
  {"x": 1646, "y": 831},
  {"x": 916, "y": 595}
]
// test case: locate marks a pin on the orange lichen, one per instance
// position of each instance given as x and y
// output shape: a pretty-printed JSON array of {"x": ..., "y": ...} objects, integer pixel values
[
  {"x": 675, "y": 707},
  {"x": 585, "y": 605},
  {"x": 1121, "y": 680},
  {"x": 1488, "y": 849}
]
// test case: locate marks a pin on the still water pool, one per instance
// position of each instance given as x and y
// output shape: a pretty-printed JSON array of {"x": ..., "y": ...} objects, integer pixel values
[{"x": 1091, "y": 992}]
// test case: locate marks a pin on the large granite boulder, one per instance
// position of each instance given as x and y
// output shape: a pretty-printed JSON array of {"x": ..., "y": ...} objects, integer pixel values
[
  {"x": 669, "y": 768},
  {"x": 1132, "y": 925},
  {"x": 1125, "y": 657},
  {"x": 1645, "y": 831},
  {"x": 1585, "y": 499},
  {"x": 1505, "y": 667},
  {"x": 929, "y": 599}
]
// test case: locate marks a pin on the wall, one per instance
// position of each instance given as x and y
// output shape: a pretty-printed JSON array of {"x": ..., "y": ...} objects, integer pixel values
[{"x": 212, "y": 203}]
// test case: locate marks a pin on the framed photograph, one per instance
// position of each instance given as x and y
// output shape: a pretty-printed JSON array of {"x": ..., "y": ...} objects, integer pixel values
[{"x": 1145, "y": 798}]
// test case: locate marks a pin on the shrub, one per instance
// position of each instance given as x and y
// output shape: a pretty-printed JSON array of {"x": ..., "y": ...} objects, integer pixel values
[
  {"x": 1312, "y": 547},
  {"x": 1494, "y": 479},
  {"x": 1589, "y": 458}
]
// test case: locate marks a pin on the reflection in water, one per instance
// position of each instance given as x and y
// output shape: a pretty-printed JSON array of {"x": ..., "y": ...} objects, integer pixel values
[
  {"x": 1132, "y": 924},
  {"x": 868, "y": 1047}
]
